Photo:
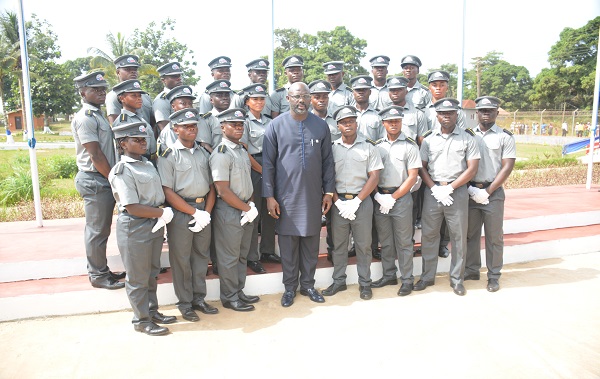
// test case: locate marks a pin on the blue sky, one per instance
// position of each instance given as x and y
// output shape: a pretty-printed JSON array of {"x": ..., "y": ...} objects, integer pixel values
[{"x": 522, "y": 30}]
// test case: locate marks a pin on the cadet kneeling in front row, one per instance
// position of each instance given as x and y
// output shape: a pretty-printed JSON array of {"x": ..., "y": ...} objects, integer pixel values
[{"x": 137, "y": 190}]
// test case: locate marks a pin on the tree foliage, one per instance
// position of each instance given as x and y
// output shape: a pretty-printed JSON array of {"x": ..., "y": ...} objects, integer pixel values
[{"x": 335, "y": 45}]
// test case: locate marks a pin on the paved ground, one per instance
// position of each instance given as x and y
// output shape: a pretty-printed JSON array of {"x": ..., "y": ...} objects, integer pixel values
[{"x": 543, "y": 323}]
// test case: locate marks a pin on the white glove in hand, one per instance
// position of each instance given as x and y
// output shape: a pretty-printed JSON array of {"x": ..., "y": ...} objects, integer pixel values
[
  {"x": 201, "y": 219},
  {"x": 445, "y": 191},
  {"x": 351, "y": 208},
  {"x": 252, "y": 213},
  {"x": 384, "y": 210},
  {"x": 385, "y": 200},
  {"x": 244, "y": 220},
  {"x": 447, "y": 201},
  {"x": 472, "y": 190},
  {"x": 163, "y": 220},
  {"x": 481, "y": 196},
  {"x": 435, "y": 192}
]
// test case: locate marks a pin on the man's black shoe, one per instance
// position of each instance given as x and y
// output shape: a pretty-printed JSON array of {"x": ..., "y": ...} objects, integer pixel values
[
  {"x": 288, "y": 298},
  {"x": 257, "y": 267},
  {"x": 107, "y": 283},
  {"x": 151, "y": 329},
  {"x": 384, "y": 282},
  {"x": 421, "y": 285},
  {"x": 189, "y": 315},
  {"x": 117, "y": 275},
  {"x": 248, "y": 299},
  {"x": 405, "y": 289},
  {"x": 365, "y": 292},
  {"x": 459, "y": 289},
  {"x": 444, "y": 252},
  {"x": 313, "y": 295},
  {"x": 270, "y": 258},
  {"x": 159, "y": 318},
  {"x": 204, "y": 307},
  {"x": 333, "y": 289},
  {"x": 238, "y": 305}
]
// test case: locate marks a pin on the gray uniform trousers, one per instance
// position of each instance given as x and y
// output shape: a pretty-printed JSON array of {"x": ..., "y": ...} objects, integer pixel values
[
  {"x": 299, "y": 253},
  {"x": 188, "y": 254},
  {"x": 232, "y": 241},
  {"x": 395, "y": 231},
  {"x": 456, "y": 218},
  {"x": 140, "y": 250},
  {"x": 491, "y": 216},
  {"x": 98, "y": 205},
  {"x": 361, "y": 228},
  {"x": 267, "y": 223}
]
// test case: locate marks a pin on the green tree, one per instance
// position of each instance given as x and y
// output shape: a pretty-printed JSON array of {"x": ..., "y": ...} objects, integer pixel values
[
  {"x": 157, "y": 46},
  {"x": 336, "y": 45},
  {"x": 451, "y": 69},
  {"x": 11, "y": 66}
]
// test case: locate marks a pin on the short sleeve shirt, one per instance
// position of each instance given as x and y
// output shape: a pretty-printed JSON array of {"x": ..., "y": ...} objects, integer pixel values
[
  {"x": 495, "y": 145},
  {"x": 353, "y": 164},
  {"x": 90, "y": 125},
  {"x": 229, "y": 162},
  {"x": 398, "y": 157},
  {"x": 186, "y": 171},
  {"x": 135, "y": 182}
]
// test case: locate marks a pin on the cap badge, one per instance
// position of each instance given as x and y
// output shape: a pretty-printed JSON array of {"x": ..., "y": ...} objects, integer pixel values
[
  {"x": 330, "y": 67},
  {"x": 394, "y": 81},
  {"x": 259, "y": 89},
  {"x": 393, "y": 111},
  {"x": 186, "y": 90},
  {"x": 131, "y": 60},
  {"x": 136, "y": 85},
  {"x": 294, "y": 59},
  {"x": 362, "y": 81},
  {"x": 189, "y": 114},
  {"x": 175, "y": 66},
  {"x": 222, "y": 60},
  {"x": 486, "y": 101},
  {"x": 223, "y": 84},
  {"x": 142, "y": 128},
  {"x": 380, "y": 59},
  {"x": 447, "y": 103},
  {"x": 262, "y": 63},
  {"x": 99, "y": 77},
  {"x": 238, "y": 114}
]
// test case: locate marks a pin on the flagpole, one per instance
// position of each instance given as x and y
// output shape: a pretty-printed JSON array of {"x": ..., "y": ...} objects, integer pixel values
[
  {"x": 29, "y": 123},
  {"x": 594, "y": 127}
]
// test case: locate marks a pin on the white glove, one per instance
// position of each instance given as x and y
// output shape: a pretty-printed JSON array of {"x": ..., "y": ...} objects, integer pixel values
[
  {"x": 252, "y": 213},
  {"x": 244, "y": 220},
  {"x": 385, "y": 200},
  {"x": 472, "y": 190},
  {"x": 417, "y": 185},
  {"x": 447, "y": 201},
  {"x": 351, "y": 208},
  {"x": 201, "y": 219},
  {"x": 435, "y": 192},
  {"x": 481, "y": 196},
  {"x": 343, "y": 208},
  {"x": 164, "y": 219},
  {"x": 441, "y": 194},
  {"x": 384, "y": 210},
  {"x": 445, "y": 191}
]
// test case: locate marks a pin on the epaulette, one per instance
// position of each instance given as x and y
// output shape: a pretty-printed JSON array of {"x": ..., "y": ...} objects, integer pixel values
[
  {"x": 372, "y": 142},
  {"x": 507, "y": 132},
  {"x": 119, "y": 168},
  {"x": 411, "y": 140},
  {"x": 470, "y": 131},
  {"x": 164, "y": 95},
  {"x": 163, "y": 150},
  {"x": 268, "y": 116},
  {"x": 222, "y": 148},
  {"x": 280, "y": 89},
  {"x": 89, "y": 112},
  {"x": 123, "y": 117},
  {"x": 427, "y": 133},
  {"x": 206, "y": 115},
  {"x": 240, "y": 92}
]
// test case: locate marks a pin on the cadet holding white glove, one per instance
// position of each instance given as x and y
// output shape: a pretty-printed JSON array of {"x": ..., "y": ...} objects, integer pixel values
[
  {"x": 479, "y": 195},
  {"x": 250, "y": 215},
  {"x": 164, "y": 219},
  {"x": 201, "y": 219}
]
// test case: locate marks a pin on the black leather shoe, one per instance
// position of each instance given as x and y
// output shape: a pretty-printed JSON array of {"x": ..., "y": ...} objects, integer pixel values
[
  {"x": 473, "y": 276},
  {"x": 205, "y": 308},
  {"x": 107, "y": 283},
  {"x": 384, "y": 282},
  {"x": 418, "y": 224},
  {"x": 365, "y": 292},
  {"x": 257, "y": 267},
  {"x": 288, "y": 298},
  {"x": 421, "y": 285},
  {"x": 189, "y": 315},
  {"x": 151, "y": 329},
  {"x": 444, "y": 252},
  {"x": 117, "y": 275},
  {"x": 333, "y": 289},
  {"x": 159, "y": 318},
  {"x": 329, "y": 256},
  {"x": 270, "y": 258},
  {"x": 215, "y": 269},
  {"x": 163, "y": 270},
  {"x": 459, "y": 289},
  {"x": 312, "y": 294},
  {"x": 417, "y": 253},
  {"x": 352, "y": 252},
  {"x": 239, "y": 306},
  {"x": 405, "y": 289},
  {"x": 377, "y": 254},
  {"x": 248, "y": 299},
  {"x": 493, "y": 285}
]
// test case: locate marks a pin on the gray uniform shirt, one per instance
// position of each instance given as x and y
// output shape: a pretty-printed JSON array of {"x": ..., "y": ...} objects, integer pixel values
[
  {"x": 204, "y": 104},
  {"x": 398, "y": 157},
  {"x": 254, "y": 132},
  {"x": 447, "y": 155},
  {"x": 414, "y": 124},
  {"x": 369, "y": 124},
  {"x": 353, "y": 164},
  {"x": 128, "y": 117},
  {"x": 161, "y": 106},
  {"x": 340, "y": 97},
  {"x": 135, "y": 182},
  {"x": 90, "y": 125},
  {"x": 229, "y": 162},
  {"x": 380, "y": 98},
  {"x": 495, "y": 145},
  {"x": 238, "y": 102},
  {"x": 418, "y": 95},
  {"x": 114, "y": 107},
  {"x": 279, "y": 101},
  {"x": 186, "y": 171}
]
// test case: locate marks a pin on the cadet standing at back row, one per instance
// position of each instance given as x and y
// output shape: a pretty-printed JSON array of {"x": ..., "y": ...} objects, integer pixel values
[
  {"x": 486, "y": 206},
  {"x": 95, "y": 151}
]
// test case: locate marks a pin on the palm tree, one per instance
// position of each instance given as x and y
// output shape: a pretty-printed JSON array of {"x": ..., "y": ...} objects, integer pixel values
[{"x": 10, "y": 61}]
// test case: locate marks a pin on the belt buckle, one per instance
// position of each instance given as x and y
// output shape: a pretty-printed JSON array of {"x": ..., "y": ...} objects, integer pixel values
[
  {"x": 443, "y": 183},
  {"x": 479, "y": 185},
  {"x": 199, "y": 200},
  {"x": 348, "y": 196}
]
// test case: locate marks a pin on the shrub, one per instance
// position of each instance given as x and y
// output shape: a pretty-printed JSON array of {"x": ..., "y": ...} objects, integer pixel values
[
  {"x": 18, "y": 187},
  {"x": 61, "y": 167}
]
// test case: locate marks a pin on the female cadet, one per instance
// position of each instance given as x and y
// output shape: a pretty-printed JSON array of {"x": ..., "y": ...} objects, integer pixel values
[
  {"x": 254, "y": 131},
  {"x": 137, "y": 190}
]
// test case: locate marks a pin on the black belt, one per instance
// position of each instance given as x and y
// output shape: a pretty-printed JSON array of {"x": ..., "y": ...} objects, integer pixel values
[
  {"x": 480, "y": 184},
  {"x": 347, "y": 196},
  {"x": 257, "y": 155},
  {"x": 443, "y": 183},
  {"x": 196, "y": 200},
  {"x": 387, "y": 190}
]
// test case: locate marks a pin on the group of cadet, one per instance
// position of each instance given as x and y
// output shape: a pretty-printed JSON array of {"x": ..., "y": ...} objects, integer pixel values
[{"x": 400, "y": 154}]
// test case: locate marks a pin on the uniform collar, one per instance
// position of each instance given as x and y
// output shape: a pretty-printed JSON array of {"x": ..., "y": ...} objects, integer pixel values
[
  {"x": 179, "y": 146},
  {"x": 401, "y": 137},
  {"x": 126, "y": 159},
  {"x": 89, "y": 106},
  {"x": 495, "y": 128},
  {"x": 230, "y": 144},
  {"x": 252, "y": 118},
  {"x": 128, "y": 113},
  {"x": 358, "y": 140}
]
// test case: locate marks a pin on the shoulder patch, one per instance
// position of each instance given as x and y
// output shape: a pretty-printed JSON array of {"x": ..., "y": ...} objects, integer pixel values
[
  {"x": 411, "y": 140},
  {"x": 164, "y": 95},
  {"x": 206, "y": 115},
  {"x": 222, "y": 148},
  {"x": 123, "y": 117},
  {"x": 89, "y": 112},
  {"x": 507, "y": 132},
  {"x": 427, "y": 133},
  {"x": 470, "y": 131},
  {"x": 268, "y": 116},
  {"x": 164, "y": 151},
  {"x": 240, "y": 92},
  {"x": 119, "y": 168},
  {"x": 372, "y": 142},
  {"x": 280, "y": 89}
]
